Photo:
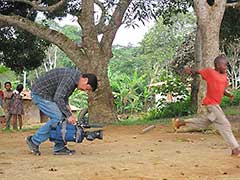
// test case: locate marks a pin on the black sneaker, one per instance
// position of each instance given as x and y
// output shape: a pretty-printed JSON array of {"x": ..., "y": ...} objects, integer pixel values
[
  {"x": 64, "y": 151},
  {"x": 33, "y": 147}
]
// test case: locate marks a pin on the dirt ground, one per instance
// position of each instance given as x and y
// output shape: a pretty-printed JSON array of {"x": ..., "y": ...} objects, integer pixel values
[{"x": 124, "y": 154}]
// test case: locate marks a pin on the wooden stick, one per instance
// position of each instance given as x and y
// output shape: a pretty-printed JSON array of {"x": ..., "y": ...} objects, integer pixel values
[{"x": 148, "y": 129}]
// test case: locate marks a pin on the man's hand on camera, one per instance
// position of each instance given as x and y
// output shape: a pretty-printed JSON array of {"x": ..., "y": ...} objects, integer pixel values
[{"x": 72, "y": 120}]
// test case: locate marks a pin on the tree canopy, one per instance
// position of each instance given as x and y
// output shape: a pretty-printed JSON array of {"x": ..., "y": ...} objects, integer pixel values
[
  {"x": 19, "y": 49},
  {"x": 229, "y": 34}
]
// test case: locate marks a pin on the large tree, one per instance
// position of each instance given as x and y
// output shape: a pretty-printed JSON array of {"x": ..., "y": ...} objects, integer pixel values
[
  {"x": 210, "y": 15},
  {"x": 209, "y": 18},
  {"x": 99, "y": 21}
]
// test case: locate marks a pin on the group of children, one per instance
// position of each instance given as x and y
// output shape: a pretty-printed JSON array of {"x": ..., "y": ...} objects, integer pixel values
[{"x": 11, "y": 105}]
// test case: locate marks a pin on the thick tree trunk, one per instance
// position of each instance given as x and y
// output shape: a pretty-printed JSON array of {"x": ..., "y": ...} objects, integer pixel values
[
  {"x": 197, "y": 65},
  {"x": 209, "y": 19},
  {"x": 210, "y": 50},
  {"x": 101, "y": 104}
]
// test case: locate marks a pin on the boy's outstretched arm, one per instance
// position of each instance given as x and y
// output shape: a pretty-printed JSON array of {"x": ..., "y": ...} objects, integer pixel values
[
  {"x": 228, "y": 94},
  {"x": 190, "y": 71}
]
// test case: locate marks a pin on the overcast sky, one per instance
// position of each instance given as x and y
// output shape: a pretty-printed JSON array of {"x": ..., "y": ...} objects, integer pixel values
[{"x": 129, "y": 35}]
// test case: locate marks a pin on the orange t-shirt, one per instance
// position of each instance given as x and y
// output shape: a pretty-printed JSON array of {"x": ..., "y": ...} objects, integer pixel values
[{"x": 216, "y": 84}]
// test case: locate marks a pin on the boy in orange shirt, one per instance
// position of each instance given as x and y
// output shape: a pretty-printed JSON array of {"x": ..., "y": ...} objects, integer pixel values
[{"x": 217, "y": 84}]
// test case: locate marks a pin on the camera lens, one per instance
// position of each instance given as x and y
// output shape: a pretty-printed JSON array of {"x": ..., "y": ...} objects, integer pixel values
[{"x": 91, "y": 135}]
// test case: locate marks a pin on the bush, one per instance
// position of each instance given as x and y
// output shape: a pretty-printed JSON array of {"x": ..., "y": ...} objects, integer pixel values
[
  {"x": 236, "y": 101},
  {"x": 174, "y": 109},
  {"x": 79, "y": 99}
]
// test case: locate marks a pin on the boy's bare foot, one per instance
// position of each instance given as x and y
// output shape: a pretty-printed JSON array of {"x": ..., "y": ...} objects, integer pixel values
[{"x": 236, "y": 152}]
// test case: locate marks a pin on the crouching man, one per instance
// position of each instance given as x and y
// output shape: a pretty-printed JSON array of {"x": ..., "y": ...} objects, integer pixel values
[{"x": 50, "y": 93}]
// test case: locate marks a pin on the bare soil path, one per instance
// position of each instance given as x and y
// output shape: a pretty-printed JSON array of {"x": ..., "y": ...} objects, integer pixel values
[{"x": 123, "y": 154}]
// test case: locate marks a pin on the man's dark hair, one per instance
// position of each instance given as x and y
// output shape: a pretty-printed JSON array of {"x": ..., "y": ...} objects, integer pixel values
[
  {"x": 92, "y": 80},
  {"x": 219, "y": 58},
  {"x": 7, "y": 83},
  {"x": 19, "y": 88}
]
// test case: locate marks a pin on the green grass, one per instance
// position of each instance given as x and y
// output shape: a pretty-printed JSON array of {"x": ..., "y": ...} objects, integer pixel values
[
  {"x": 25, "y": 129},
  {"x": 8, "y": 130},
  {"x": 232, "y": 110},
  {"x": 133, "y": 121}
]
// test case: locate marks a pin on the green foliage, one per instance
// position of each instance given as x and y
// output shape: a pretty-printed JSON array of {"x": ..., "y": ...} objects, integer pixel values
[
  {"x": 230, "y": 27},
  {"x": 229, "y": 34},
  {"x": 236, "y": 101},
  {"x": 161, "y": 41},
  {"x": 17, "y": 8},
  {"x": 159, "y": 45},
  {"x": 6, "y": 75},
  {"x": 130, "y": 92},
  {"x": 79, "y": 99},
  {"x": 55, "y": 56},
  {"x": 125, "y": 60},
  {"x": 144, "y": 10},
  {"x": 174, "y": 109},
  {"x": 3, "y": 69},
  {"x": 72, "y": 32},
  {"x": 21, "y": 50},
  {"x": 64, "y": 61},
  {"x": 231, "y": 111},
  {"x": 172, "y": 83}
]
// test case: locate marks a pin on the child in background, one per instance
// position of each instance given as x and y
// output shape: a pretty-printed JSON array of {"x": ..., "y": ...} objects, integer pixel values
[
  {"x": 2, "y": 114},
  {"x": 6, "y": 104},
  {"x": 16, "y": 106},
  {"x": 1, "y": 96}
]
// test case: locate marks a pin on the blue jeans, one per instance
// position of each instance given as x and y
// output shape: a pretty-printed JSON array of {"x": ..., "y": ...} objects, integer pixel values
[{"x": 50, "y": 109}]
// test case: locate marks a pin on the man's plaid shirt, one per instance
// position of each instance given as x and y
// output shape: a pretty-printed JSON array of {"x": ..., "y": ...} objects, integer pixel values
[{"x": 56, "y": 86}]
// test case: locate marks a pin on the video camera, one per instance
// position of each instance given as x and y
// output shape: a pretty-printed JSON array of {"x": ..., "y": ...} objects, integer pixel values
[{"x": 63, "y": 131}]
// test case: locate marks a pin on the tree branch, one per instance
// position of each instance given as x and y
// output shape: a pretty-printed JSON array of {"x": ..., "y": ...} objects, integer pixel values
[
  {"x": 86, "y": 21},
  {"x": 55, "y": 37},
  {"x": 113, "y": 26},
  {"x": 101, "y": 26},
  {"x": 37, "y": 5}
]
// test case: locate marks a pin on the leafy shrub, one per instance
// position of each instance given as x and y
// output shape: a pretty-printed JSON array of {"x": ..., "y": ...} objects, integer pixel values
[
  {"x": 236, "y": 101},
  {"x": 130, "y": 92},
  {"x": 174, "y": 109},
  {"x": 79, "y": 99}
]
